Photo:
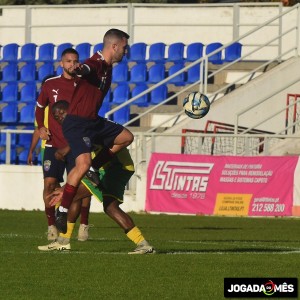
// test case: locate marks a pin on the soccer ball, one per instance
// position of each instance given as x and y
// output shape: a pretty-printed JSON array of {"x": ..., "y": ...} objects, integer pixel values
[{"x": 196, "y": 105}]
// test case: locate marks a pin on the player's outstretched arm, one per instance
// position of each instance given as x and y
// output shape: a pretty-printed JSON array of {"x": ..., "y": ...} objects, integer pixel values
[{"x": 34, "y": 141}]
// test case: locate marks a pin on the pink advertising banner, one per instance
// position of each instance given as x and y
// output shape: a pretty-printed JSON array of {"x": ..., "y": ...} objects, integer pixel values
[{"x": 220, "y": 185}]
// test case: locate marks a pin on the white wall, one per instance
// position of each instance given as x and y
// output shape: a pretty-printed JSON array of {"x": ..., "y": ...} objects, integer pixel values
[{"x": 21, "y": 188}]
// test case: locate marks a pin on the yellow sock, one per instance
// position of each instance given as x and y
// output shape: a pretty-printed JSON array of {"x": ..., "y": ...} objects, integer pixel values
[
  {"x": 68, "y": 234},
  {"x": 57, "y": 204},
  {"x": 135, "y": 235}
]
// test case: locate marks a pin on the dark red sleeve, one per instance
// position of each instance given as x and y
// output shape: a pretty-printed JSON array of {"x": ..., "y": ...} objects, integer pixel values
[
  {"x": 41, "y": 104},
  {"x": 39, "y": 116}
]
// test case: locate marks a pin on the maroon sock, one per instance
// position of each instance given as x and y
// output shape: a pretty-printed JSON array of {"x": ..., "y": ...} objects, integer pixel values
[
  {"x": 102, "y": 158},
  {"x": 68, "y": 195},
  {"x": 50, "y": 214},
  {"x": 84, "y": 215}
]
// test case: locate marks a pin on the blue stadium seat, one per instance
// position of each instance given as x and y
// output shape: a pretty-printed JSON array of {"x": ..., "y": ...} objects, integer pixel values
[
  {"x": 84, "y": 51},
  {"x": 233, "y": 52},
  {"x": 22, "y": 156},
  {"x": 194, "y": 51},
  {"x": 193, "y": 74},
  {"x": 175, "y": 52},
  {"x": 104, "y": 109},
  {"x": 28, "y": 52},
  {"x": 137, "y": 52},
  {"x": 157, "y": 52},
  {"x": 120, "y": 73},
  {"x": 10, "y": 73},
  {"x": 159, "y": 94},
  {"x": 59, "y": 70},
  {"x": 138, "y": 73},
  {"x": 10, "y": 52},
  {"x": 9, "y": 114},
  {"x": 13, "y": 156},
  {"x": 24, "y": 140},
  {"x": 60, "y": 49},
  {"x": 121, "y": 93},
  {"x": 97, "y": 47},
  {"x": 108, "y": 96},
  {"x": 28, "y": 73},
  {"x": 156, "y": 73},
  {"x": 217, "y": 57},
  {"x": 142, "y": 101},
  {"x": 179, "y": 79},
  {"x": 10, "y": 92},
  {"x": 45, "y": 70},
  {"x": 122, "y": 115},
  {"x": 46, "y": 52},
  {"x": 27, "y": 114},
  {"x": 28, "y": 93}
]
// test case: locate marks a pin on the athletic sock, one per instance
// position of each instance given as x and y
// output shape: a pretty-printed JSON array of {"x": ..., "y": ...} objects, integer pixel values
[
  {"x": 50, "y": 214},
  {"x": 68, "y": 234},
  {"x": 104, "y": 156},
  {"x": 68, "y": 195},
  {"x": 84, "y": 215},
  {"x": 135, "y": 235}
]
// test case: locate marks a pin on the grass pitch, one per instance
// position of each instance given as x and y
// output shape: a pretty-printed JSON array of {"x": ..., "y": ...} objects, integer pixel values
[{"x": 194, "y": 255}]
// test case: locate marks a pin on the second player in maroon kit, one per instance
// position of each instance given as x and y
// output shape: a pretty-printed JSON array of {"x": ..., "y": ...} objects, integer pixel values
[{"x": 54, "y": 89}]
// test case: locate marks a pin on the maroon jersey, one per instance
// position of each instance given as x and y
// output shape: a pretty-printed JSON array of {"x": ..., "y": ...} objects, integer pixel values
[
  {"x": 53, "y": 90},
  {"x": 92, "y": 88}
]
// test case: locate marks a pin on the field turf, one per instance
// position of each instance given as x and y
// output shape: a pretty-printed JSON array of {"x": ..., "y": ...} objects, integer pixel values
[{"x": 194, "y": 255}]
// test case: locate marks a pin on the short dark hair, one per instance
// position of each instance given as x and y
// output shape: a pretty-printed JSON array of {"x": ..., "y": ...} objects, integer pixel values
[
  {"x": 69, "y": 50},
  {"x": 61, "y": 104},
  {"x": 113, "y": 32}
]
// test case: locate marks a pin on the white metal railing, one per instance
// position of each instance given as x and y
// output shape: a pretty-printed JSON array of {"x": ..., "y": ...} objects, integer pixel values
[
  {"x": 220, "y": 144},
  {"x": 145, "y": 143}
]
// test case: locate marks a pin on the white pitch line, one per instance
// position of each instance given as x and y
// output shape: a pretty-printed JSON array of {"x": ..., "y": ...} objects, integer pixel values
[
  {"x": 248, "y": 243},
  {"x": 235, "y": 252},
  {"x": 66, "y": 252}
]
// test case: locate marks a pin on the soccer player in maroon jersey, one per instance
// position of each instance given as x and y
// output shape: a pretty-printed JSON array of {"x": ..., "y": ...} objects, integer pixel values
[
  {"x": 54, "y": 89},
  {"x": 82, "y": 126}
]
